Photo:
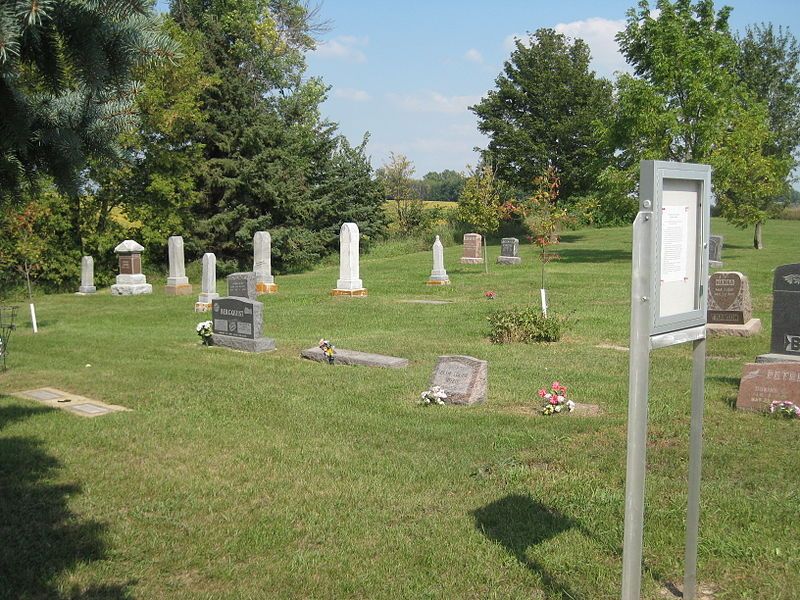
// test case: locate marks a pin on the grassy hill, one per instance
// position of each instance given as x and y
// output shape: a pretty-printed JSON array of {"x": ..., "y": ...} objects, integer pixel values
[{"x": 254, "y": 476}]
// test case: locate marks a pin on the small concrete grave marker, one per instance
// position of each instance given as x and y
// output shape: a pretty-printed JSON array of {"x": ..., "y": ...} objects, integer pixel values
[
  {"x": 785, "y": 340},
  {"x": 238, "y": 323},
  {"x": 77, "y": 405},
  {"x": 89, "y": 409},
  {"x": 509, "y": 252},
  {"x": 473, "y": 249},
  {"x": 761, "y": 384},
  {"x": 349, "y": 282},
  {"x": 354, "y": 357},
  {"x": 262, "y": 263},
  {"x": 242, "y": 285},
  {"x": 130, "y": 281},
  {"x": 87, "y": 276},
  {"x": 715, "y": 251},
  {"x": 208, "y": 285},
  {"x": 177, "y": 282},
  {"x": 438, "y": 273},
  {"x": 730, "y": 309},
  {"x": 463, "y": 379}
]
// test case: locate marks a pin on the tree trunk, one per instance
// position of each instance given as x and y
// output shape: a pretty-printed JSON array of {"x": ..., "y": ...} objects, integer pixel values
[
  {"x": 485, "y": 258},
  {"x": 758, "y": 244}
]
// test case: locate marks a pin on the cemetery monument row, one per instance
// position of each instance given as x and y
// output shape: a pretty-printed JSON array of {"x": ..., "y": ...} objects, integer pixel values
[
  {"x": 473, "y": 254},
  {"x": 349, "y": 282},
  {"x": 785, "y": 340},
  {"x": 130, "y": 281},
  {"x": 177, "y": 282},
  {"x": 730, "y": 309}
]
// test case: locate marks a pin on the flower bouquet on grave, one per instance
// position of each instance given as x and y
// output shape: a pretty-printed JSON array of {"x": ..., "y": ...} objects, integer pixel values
[
  {"x": 786, "y": 409},
  {"x": 204, "y": 330},
  {"x": 490, "y": 295},
  {"x": 435, "y": 395},
  {"x": 328, "y": 350},
  {"x": 555, "y": 400}
]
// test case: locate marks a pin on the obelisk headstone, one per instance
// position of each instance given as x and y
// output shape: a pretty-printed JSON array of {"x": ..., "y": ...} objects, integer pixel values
[
  {"x": 177, "y": 282},
  {"x": 130, "y": 281},
  {"x": 349, "y": 282},
  {"x": 87, "y": 276},
  {"x": 208, "y": 285},
  {"x": 438, "y": 273},
  {"x": 715, "y": 251},
  {"x": 509, "y": 252},
  {"x": 730, "y": 309},
  {"x": 785, "y": 341},
  {"x": 473, "y": 250},
  {"x": 262, "y": 263}
]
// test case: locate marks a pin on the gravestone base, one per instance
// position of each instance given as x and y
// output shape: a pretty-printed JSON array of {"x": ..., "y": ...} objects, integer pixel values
[
  {"x": 354, "y": 357},
  {"x": 85, "y": 290},
  {"x": 465, "y": 260},
  {"x": 202, "y": 306},
  {"x": 776, "y": 358},
  {"x": 508, "y": 260},
  {"x": 438, "y": 282},
  {"x": 266, "y": 288},
  {"x": 714, "y": 264},
  {"x": 751, "y": 328},
  {"x": 131, "y": 289},
  {"x": 245, "y": 344},
  {"x": 181, "y": 289},
  {"x": 360, "y": 293}
]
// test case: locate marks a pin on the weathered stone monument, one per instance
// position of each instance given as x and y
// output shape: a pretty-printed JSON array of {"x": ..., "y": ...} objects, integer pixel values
[
  {"x": 349, "y": 283},
  {"x": 208, "y": 285},
  {"x": 242, "y": 285},
  {"x": 785, "y": 341},
  {"x": 237, "y": 323},
  {"x": 730, "y": 309},
  {"x": 262, "y": 263},
  {"x": 763, "y": 384},
  {"x": 130, "y": 281},
  {"x": 473, "y": 251},
  {"x": 177, "y": 282},
  {"x": 509, "y": 252},
  {"x": 438, "y": 273},
  {"x": 715, "y": 251},
  {"x": 463, "y": 379},
  {"x": 87, "y": 276}
]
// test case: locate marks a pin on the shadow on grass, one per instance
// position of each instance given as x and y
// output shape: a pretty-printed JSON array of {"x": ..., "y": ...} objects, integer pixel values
[
  {"x": 590, "y": 255},
  {"x": 571, "y": 237},
  {"x": 520, "y": 523},
  {"x": 40, "y": 536}
]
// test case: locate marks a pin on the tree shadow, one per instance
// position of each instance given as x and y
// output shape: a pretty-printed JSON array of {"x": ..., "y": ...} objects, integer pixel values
[
  {"x": 519, "y": 523},
  {"x": 590, "y": 255},
  {"x": 570, "y": 237},
  {"x": 41, "y": 537}
]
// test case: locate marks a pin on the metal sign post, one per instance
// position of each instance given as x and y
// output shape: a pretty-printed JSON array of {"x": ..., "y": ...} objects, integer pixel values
[{"x": 668, "y": 307}]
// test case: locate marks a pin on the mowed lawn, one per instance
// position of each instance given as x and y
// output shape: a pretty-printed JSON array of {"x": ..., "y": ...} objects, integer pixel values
[{"x": 268, "y": 476}]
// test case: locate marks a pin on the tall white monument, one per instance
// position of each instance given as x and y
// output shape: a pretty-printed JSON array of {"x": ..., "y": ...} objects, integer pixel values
[
  {"x": 130, "y": 281},
  {"x": 208, "y": 285},
  {"x": 262, "y": 263},
  {"x": 349, "y": 283},
  {"x": 177, "y": 282},
  {"x": 438, "y": 274},
  {"x": 87, "y": 276}
]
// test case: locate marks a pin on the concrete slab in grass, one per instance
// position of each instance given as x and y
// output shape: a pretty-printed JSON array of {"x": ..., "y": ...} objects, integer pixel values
[
  {"x": 77, "y": 405},
  {"x": 354, "y": 357}
]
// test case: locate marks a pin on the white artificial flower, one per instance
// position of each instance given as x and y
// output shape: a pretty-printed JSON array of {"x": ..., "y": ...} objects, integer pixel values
[
  {"x": 557, "y": 408},
  {"x": 570, "y": 405}
]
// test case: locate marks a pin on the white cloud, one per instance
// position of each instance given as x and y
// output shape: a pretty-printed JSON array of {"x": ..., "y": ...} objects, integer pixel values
[
  {"x": 599, "y": 34},
  {"x": 344, "y": 47},
  {"x": 474, "y": 55},
  {"x": 510, "y": 43},
  {"x": 434, "y": 102},
  {"x": 352, "y": 94}
]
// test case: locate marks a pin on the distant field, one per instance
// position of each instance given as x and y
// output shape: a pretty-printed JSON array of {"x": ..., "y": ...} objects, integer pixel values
[{"x": 268, "y": 476}]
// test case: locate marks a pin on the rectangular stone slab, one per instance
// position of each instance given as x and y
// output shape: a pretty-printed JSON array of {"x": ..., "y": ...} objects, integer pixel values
[{"x": 354, "y": 357}]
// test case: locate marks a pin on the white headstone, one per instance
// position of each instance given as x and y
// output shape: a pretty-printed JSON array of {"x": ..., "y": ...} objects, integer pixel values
[
  {"x": 208, "y": 291},
  {"x": 87, "y": 276},
  {"x": 349, "y": 280},
  {"x": 438, "y": 273},
  {"x": 262, "y": 262},
  {"x": 177, "y": 267}
]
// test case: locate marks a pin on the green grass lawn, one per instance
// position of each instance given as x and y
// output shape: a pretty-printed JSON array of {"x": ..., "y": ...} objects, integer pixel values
[{"x": 267, "y": 476}]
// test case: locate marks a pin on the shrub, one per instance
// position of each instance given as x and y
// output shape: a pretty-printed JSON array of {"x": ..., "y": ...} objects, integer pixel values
[{"x": 524, "y": 324}]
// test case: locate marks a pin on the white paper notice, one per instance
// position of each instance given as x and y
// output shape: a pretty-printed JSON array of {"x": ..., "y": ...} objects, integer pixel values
[{"x": 674, "y": 243}]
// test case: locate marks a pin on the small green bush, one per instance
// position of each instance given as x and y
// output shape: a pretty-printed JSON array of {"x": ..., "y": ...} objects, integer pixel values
[{"x": 524, "y": 324}]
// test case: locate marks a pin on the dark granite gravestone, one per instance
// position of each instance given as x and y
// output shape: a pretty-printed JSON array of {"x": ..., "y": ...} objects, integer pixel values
[
  {"x": 715, "y": 251},
  {"x": 763, "y": 384},
  {"x": 473, "y": 254},
  {"x": 730, "y": 309},
  {"x": 785, "y": 341},
  {"x": 242, "y": 285},
  {"x": 509, "y": 252},
  {"x": 463, "y": 379},
  {"x": 237, "y": 324}
]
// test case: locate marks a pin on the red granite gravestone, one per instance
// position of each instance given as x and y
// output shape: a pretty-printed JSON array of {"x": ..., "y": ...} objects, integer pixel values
[{"x": 764, "y": 383}]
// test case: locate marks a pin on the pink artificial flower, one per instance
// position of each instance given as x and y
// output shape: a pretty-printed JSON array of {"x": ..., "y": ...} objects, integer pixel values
[
  {"x": 541, "y": 393},
  {"x": 553, "y": 401}
]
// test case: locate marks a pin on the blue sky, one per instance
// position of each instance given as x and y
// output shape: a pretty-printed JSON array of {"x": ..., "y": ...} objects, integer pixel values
[{"x": 407, "y": 71}]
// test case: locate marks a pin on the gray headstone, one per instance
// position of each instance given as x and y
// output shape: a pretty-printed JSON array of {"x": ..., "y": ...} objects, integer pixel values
[
  {"x": 242, "y": 285},
  {"x": 715, "y": 251},
  {"x": 463, "y": 379},
  {"x": 786, "y": 311},
  {"x": 237, "y": 323},
  {"x": 729, "y": 300},
  {"x": 509, "y": 252}
]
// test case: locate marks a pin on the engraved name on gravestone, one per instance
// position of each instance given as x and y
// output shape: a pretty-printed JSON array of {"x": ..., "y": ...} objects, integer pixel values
[
  {"x": 463, "y": 379},
  {"x": 472, "y": 249},
  {"x": 509, "y": 251},
  {"x": 130, "y": 264},
  {"x": 242, "y": 285},
  {"x": 715, "y": 251},
  {"x": 729, "y": 298},
  {"x": 763, "y": 384},
  {"x": 234, "y": 317},
  {"x": 786, "y": 311}
]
